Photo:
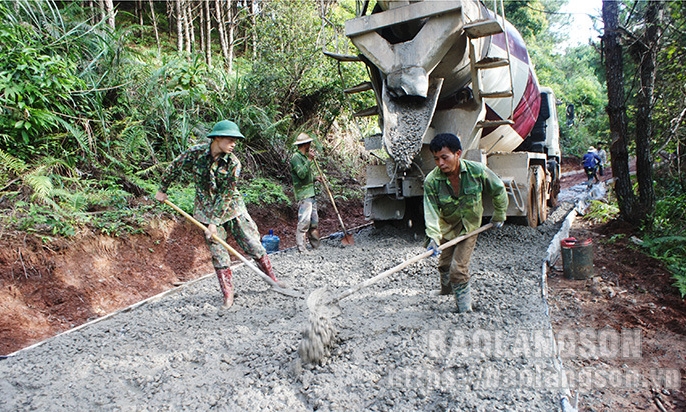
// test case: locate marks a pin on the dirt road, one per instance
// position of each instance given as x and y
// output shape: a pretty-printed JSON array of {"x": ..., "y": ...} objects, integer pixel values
[{"x": 398, "y": 347}]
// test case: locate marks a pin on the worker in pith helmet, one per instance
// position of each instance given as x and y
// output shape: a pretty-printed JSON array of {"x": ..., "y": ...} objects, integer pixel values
[
  {"x": 453, "y": 206},
  {"x": 303, "y": 178},
  {"x": 215, "y": 170},
  {"x": 225, "y": 128}
]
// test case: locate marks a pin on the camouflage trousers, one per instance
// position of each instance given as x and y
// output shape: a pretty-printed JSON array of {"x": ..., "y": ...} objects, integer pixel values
[
  {"x": 454, "y": 261},
  {"x": 245, "y": 232},
  {"x": 308, "y": 221},
  {"x": 308, "y": 218}
]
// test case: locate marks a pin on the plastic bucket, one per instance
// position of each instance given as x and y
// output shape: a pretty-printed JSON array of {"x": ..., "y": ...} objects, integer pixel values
[{"x": 577, "y": 258}]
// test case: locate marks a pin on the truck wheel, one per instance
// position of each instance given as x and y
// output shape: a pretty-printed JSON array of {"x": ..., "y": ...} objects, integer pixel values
[
  {"x": 554, "y": 191},
  {"x": 542, "y": 192},
  {"x": 532, "y": 199},
  {"x": 554, "y": 188},
  {"x": 537, "y": 209}
]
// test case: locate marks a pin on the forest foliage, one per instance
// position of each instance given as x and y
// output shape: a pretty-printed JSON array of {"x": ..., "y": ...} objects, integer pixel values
[{"x": 96, "y": 103}]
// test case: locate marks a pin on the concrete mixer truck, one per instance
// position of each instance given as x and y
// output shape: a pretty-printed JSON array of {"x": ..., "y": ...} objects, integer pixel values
[{"x": 452, "y": 66}]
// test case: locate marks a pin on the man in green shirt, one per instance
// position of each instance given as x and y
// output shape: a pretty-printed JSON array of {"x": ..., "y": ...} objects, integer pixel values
[
  {"x": 218, "y": 204},
  {"x": 303, "y": 189},
  {"x": 453, "y": 206}
]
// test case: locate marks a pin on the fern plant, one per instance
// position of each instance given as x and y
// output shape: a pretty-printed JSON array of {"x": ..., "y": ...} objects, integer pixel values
[
  {"x": 10, "y": 168},
  {"x": 601, "y": 212}
]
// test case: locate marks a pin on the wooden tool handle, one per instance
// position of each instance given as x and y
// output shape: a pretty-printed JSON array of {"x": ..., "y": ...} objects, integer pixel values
[
  {"x": 408, "y": 262},
  {"x": 234, "y": 252},
  {"x": 328, "y": 191}
]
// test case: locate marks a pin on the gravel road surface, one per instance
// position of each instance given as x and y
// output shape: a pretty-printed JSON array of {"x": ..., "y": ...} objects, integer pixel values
[{"x": 397, "y": 347}]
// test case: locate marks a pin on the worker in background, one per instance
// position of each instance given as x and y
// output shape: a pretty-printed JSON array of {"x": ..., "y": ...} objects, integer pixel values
[
  {"x": 590, "y": 162},
  {"x": 303, "y": 189},
  {"x": 215, "y": 169},
  {"x": 602, "y": 155},
  {"x": 453, "y": 206}
]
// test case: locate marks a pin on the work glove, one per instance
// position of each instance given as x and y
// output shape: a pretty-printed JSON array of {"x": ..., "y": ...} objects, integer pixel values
[
  {"x": 497, "y": 225},
  {"x": 433, "y": 246}
]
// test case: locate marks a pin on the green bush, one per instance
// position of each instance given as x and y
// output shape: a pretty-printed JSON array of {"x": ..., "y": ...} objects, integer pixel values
[
  {"x": 670, "y": 215},
  {"x": 666, "y": 240},
  {"x": 183, "y": 197},
  {"x": 672, "y": 251},
  {"x": 601, "y": 212},
  {"x": 264, "y": 192},
  {"x": 120, "y": 222}
]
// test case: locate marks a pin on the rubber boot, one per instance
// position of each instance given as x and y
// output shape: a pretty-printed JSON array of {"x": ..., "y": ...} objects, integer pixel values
[
  {"x": 313, "y": 236},
  {"x": 225, "y": 284},
  {"x": 446, "y": 289},
  {"x": 300, "y": 241},
  {"x": 266, "y": 265},
  {"x": 463, "y": 297}
]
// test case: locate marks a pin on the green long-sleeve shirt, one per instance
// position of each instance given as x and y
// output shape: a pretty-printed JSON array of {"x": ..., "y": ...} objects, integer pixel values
[
  {"x": 444, "y": 209},
  {"x": 302, "y": 175},
  {"x": 217, "y": 199}
]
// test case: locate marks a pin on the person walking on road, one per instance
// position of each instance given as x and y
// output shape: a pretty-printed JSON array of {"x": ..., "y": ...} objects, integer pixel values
[
  {"x": 602, "y": 155},
  {"x": 303, "y": 178},
  {"x": 453, "y": 206},
  {"x": 590, "y": 161},
  {"x": 215, "y": 169}
]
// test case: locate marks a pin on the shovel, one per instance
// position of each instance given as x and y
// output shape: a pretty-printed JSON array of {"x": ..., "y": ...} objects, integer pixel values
[
  {"x": 347, "y": 239},
  {"x": 319, "y": 334},
  {"x": 277, "y": 288}
]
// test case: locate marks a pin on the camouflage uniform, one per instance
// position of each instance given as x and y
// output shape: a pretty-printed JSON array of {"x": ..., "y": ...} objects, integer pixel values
[
  {"x": 448, "y": 215},
  {"x": 303, "y": 189},
  {"x": 217, "y": 200}
]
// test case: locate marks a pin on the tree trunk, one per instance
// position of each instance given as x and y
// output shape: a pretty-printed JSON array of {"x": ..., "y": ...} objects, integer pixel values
[
  {"x": 171, "y": 11},
  {"x": 109, "y": 12},
  {"x": 139, "y": 13},
  {"x": 614, "y": 66},
  {"x": 233, "y": 16},
  {"x": 680, "y": 151},
  {"x": 201, "y": 15},
  {"x": 188, "y": 32},
  {"x": 645, "y": 53},
  {"x": 154, "y": 26},
  {"x": 101, "y": 10},
  {"x": 179, "y": 26},
  {"x": 221, "y": 29},
  {"x": 208, "y": 33},
  {"x": 253, "y": 27}
]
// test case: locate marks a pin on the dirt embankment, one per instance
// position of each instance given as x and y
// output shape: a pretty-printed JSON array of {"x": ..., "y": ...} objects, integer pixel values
[{"x": 47, "y": 287}]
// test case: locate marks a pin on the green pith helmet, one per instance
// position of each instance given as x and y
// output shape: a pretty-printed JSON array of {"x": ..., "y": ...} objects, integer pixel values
[{"x": 226, "y": 128}]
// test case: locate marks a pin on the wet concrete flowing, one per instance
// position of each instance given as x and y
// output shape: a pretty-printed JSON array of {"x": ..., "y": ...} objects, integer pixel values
[{"x": 396, "y": 347}]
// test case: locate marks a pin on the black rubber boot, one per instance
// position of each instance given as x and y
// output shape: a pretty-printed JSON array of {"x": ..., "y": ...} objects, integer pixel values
[
  {"x": 446, "y": 289},
  {"x": 463, "y": 297}
]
